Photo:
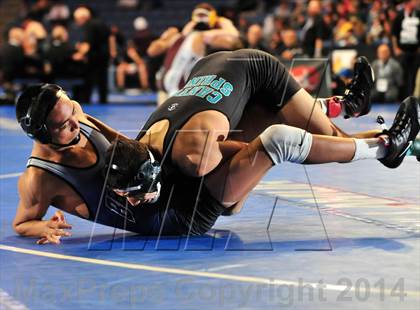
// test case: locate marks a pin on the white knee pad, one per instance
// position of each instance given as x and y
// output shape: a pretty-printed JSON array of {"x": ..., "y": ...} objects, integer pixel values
[{"x": 286, "y": 143}]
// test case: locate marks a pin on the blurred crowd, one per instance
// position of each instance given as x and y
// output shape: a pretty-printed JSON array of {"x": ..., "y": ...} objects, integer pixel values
[{"x": 51, "y": 42}]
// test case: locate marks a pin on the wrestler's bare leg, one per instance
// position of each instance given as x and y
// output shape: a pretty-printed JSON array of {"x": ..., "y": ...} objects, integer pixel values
[
  {"x": 305, "y": 112},
  {"x": 244, "y": 170},
  {"x": 302, "y": 111}
]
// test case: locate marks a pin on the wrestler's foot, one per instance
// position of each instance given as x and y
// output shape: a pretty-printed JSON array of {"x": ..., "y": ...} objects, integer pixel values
[
  {"x": 356, "y": 99},
  {"x": 402, "y": 132}
]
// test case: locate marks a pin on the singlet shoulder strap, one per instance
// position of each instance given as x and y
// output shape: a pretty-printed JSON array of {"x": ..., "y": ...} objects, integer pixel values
[{"x": 46, "y": 165}]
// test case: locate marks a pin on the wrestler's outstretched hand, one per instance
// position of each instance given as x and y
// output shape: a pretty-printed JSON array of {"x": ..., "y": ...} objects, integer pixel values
[{"x": 54, "y": 229}]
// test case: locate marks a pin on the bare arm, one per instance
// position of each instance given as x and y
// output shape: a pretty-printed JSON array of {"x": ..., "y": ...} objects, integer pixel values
[
  {"x": 112, "y": 46},
  {"x": 82, "y": 49},
  {"x": 31, "y": 209},
  {"x": 33, "y": 204},
  {"x": 161, "y": 45},
  {"x": 318, "y": 47},
  {"x": 227, "y": 36}
]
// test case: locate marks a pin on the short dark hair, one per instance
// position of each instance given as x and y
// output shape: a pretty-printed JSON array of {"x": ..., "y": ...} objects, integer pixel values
[
  {"x": 128, "y": 155},
  {"x": 41, "y": 98},
  {"x": 25, "y": 100}
]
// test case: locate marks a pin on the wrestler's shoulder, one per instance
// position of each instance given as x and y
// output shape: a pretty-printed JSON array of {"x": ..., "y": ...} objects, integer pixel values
[{"x": 37, "y": 178}]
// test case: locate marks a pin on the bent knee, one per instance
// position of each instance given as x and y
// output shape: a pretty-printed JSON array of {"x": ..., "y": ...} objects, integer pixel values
[{"x": 286, "y": 143}]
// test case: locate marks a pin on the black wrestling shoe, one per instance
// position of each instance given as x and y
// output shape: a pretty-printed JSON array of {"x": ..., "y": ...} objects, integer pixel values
[
  {"x": 402, "y": 132},
  {"x": 356, "y": 99}
]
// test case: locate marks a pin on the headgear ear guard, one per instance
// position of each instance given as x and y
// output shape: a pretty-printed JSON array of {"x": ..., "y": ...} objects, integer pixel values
[
  {"x": 34, "y": 122},
  {"x": 146, "y": 180},
  {"x": 212, "y": 18}
]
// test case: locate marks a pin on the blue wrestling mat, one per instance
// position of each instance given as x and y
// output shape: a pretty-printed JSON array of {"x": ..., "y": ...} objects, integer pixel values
[{"x": 335, "y": 236}]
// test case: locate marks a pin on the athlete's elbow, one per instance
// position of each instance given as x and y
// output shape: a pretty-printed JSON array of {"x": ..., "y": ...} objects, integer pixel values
[
  {"x": 18, "y": 228},
  {"x": 151, "y": 51}
]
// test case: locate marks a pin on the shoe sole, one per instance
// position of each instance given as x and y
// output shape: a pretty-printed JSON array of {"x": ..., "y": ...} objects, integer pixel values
[{"x": 364, "y": 60}]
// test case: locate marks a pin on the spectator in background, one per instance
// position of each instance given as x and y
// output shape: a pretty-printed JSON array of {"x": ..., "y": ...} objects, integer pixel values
[
  {"x": 406, "y": 43},
  {"x": 359, "y": 29},
  {"x": 38, "y": 10},
  {"x": 12, "y": 56},
  {"x": 313, "y": 31},
  {"x": 117, "y": 45},
  {"x": 35, "y": 29},
  {"x": 282, "y": 12},
  {"x": 378, "y": 33},
  {"x": 205, "y": 33},
  {"x": 276, "y": 42},
  {"x": 298, "y": 19},
  {"x": 59, "y": 13},
  {"x": 142, "y": 36},
  {"x": 12, "y": 61},
  {"x": 388, "y": 76},
  {"x": 255, "y": 39},
  {"x": 134, "y": 61},
  {"x": 341, "y": 10},
  {"x": 33, "y": 47},
  {"x": 390, "y": 14},
  {"x": 277, "y": 26},
  {"x": 142, "y": 39},
  {"x": 329, "y": 22},
  {"x": 95, "y": 51},
  {"x": 374, "y": 12},
  {"x": 290, "y": 47},
  {"x": 59, "y": 56},
  {"x": 344, "y": 35}
]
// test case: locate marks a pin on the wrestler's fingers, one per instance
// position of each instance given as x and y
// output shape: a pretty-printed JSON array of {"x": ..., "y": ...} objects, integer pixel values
[
  {"x": 59, "y": 225},
  {"x": 54, "y": 239},
  {"x": 55, "y": 218},
  {"x": 60, "y": 215},
  {"x": 61, "y": 233},
  {"x": 62, "y": 225},
  {"x": 42, "y": 241}
]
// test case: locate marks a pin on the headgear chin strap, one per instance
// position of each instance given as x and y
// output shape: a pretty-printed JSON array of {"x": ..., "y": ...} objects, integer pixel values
[
  {"x": 72, "y": 142},
  {"x": 146, "y": 180},
  {"x": 34, "y": 122}
]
